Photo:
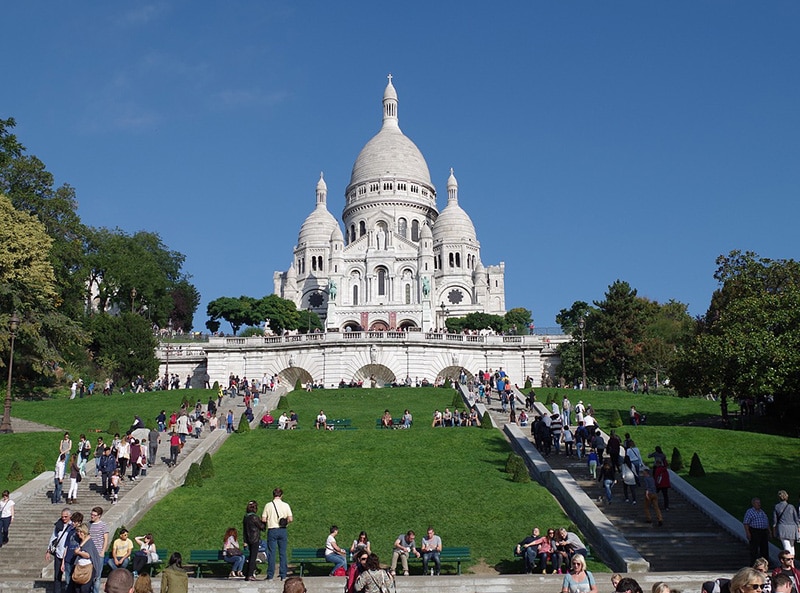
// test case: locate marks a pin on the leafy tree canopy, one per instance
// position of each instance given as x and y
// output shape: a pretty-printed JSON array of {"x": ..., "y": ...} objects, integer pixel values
[
  {"x": 124, "y": 345},
  {"x": 279, "y": 314}
]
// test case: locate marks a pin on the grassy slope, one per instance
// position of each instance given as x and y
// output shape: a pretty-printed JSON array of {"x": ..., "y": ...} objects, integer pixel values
[{"x": 383, "y": 481}]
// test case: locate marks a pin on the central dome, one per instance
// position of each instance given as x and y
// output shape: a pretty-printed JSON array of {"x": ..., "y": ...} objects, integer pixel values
[{"x": 390, "y": 153}]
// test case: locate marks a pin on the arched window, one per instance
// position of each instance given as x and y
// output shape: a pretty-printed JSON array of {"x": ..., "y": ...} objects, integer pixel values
[
  {"x": 362, "y": 228},
  {"x": 355, "y": 294},
  {"x": 436, "y": 262},
  {"x": 408, "y": 294},
  {"x": 415, "y": 230},
  {"x": 402, "y": 228},
  {"x": 452, "y": 259},
  {"x": 319, "y": 263},
  {"x": 458, "y": 260},
  {"x": 352, "y": 233},
  {"x": 381, "y": 281},
  {"x": 313, "y": 263}
]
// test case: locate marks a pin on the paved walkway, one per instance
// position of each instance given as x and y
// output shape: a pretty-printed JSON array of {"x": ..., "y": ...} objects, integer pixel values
[
  {"x": 21, "y": 425},
  {"x": 35, "y": 513}
]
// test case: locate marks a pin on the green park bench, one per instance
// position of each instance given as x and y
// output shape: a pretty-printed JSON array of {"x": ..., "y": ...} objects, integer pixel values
[
  {"x": 342, "y": 424},
  {"x": 450, "y": 556},
  {"x": 303, "y": 556},
  {"x": 207, "y": 559},
  {"x": 163, "y": 556},
  {"x": 396, "y": 423}
]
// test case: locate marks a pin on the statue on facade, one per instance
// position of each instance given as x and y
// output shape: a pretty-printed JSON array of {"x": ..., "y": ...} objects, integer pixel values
[
  {"x": 332, "y": 290},
  {"x": 426, "y": 286}
]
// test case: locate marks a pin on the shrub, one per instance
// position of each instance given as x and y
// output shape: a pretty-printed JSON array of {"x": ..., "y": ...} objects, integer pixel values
[
  {"x": 207, "y": 466},
  {"x": 298, "y": 385},
  {"x": 521, "y": 474},
  {"x": 457, "y": 401},
  {"x": 696, "y": 469},
  {"x": 615, "y": 421},
  {"x": 194, "y": 477},
  {"x": 512, "y": 462},
  {"x": 15, "y": 473},
  {"x": 486, "y": 421},
  {"x": 38, "y": 467},
  {"x": 283, "y": 403},
  {"x": 676, "y": 464},
  {"x": 216, "y": 386},
  {"x": 528, "y": 384},
  {"x": 244, "y": 425},
  {"x": 113, "y": 427}
]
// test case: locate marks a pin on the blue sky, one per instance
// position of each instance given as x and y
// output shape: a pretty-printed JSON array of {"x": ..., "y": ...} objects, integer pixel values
[{"x": 592, "y": 141}]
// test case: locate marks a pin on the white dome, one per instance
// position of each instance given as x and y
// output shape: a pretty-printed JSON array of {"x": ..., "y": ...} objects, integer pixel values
[
  {"x": 390, "y": 153},
  {"x": 320, "y": 224},
  {"x": 453, "y": 224}
]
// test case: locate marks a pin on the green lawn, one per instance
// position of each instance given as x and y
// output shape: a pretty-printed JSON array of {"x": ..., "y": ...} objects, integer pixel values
[
  {"x": 389, "y": 481},
  {"x": 382, "y": 481},
  {"x": 79, "y": 416}
]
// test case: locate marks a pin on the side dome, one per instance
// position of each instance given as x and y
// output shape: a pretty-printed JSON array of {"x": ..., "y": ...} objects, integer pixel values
[
  {"x": 390, "y": 153},
  {"x": 453, "y": 224},
  {"x": 320, "y": 224}
]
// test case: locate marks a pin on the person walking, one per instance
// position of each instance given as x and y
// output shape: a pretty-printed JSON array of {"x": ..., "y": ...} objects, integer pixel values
[
  {"x": 277, "y": 515},
  {"x": 98, "y": 529},
  {"x": 6, "y": 516},
  {"x": 650, "y": 496},
  {"x": 58, "y": 478},
  {"x": 57, "y": 549},
  {"x": 756, "y": 528},
  {"x": 785, "y": 522},
  {"x": 74, "y": 479},
  {"x": 252, "y": 526}
]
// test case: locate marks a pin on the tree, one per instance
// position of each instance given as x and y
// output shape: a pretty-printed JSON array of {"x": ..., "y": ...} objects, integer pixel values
[
  {"x": 615, "y": 333},
  {"x": 280, "y": 314},
  {"x": 137, "y": 273},
  {"x": 747, "y": 345},
  {"x": 236, "y": 311},
  {"x": 308, "y": 320},
  {"x": 476, "y": 321},
  {"x": 570, "y": 352},
  {"x": 28, "y": 286},
  {"x": 517, "y": 320},
  {"x": 124, "y": 346},
  {"x": 185, "y": 300},
  {"x": 26, "y": 181}
]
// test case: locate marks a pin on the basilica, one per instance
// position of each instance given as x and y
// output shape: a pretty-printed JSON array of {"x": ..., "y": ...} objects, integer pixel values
[{"x": 398, "y": 263}]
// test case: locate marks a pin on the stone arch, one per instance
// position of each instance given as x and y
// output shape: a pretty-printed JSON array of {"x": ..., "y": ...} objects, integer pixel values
[
  {"x": 381, "y": 374},
  {"x": 453, "y": 372},
  {"x": 354, "y": 326},
  {"x": 406, "y": 324},
  {"x": 290, "y": 375},
  {"x": 379, "y": 326}
]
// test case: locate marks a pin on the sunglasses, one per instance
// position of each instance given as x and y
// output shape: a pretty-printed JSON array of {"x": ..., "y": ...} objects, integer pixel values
[{"x": 756, "y": 586}]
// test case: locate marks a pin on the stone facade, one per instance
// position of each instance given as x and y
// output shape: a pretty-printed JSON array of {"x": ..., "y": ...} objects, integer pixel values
[{"x": 400, "y": 263}]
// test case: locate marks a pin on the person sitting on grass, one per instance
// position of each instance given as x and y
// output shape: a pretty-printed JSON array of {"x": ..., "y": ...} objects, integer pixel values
[
  {"x": 408, "y": 419},
  {"x": 437, "y": 419},
  {"x": 267, "y": 419}
]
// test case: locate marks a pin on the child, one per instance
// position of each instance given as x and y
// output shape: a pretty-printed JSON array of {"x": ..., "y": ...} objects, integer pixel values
[
  {"x": 198, "y": 427},
  {"x": 115, "y": 480},
  {"x": 591, "y": 459}
]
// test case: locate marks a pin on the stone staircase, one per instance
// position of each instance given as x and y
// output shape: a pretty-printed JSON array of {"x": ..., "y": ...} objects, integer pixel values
[
  {"x": 687, "y": 541},
  {"x": 34, "y": 517},
  {"x": 35, "y": 514}
]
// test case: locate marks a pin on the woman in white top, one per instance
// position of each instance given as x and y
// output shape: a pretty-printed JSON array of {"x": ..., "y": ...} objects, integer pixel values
[{"x": 6, "y": 516}]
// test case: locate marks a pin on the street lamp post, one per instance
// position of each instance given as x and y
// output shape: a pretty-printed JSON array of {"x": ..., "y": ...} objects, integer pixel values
[
  {"x": 5, "y": 427},
  {"x": 582, "y": 326},
  {"x": 445, "y": 313}
]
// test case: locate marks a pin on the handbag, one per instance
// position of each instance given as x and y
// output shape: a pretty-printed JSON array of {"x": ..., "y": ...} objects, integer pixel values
[
  {"x": 233, "y": 552},
  {"x": 82, "y": 573}
]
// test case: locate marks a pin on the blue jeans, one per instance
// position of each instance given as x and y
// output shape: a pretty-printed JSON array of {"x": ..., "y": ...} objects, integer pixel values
[
  {"x": 337, "y": 561},
  {"x": 5, "y": 525},
  {"x": 607, "y": 485},
  {"x": 276, "y": 543},
  {"x": 112, "y": 565},
  {"x": 237, "y": 562},
  {"x": 426, "y": 558},
  {"x": 57, "y": 489}
]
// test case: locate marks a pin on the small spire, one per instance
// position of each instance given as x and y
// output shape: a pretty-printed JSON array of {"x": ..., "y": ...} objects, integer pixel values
[
  {"x": 452, "y": 188},
  {"x": 322, "y": 190},
  {"x": 390, "y": 104}
]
